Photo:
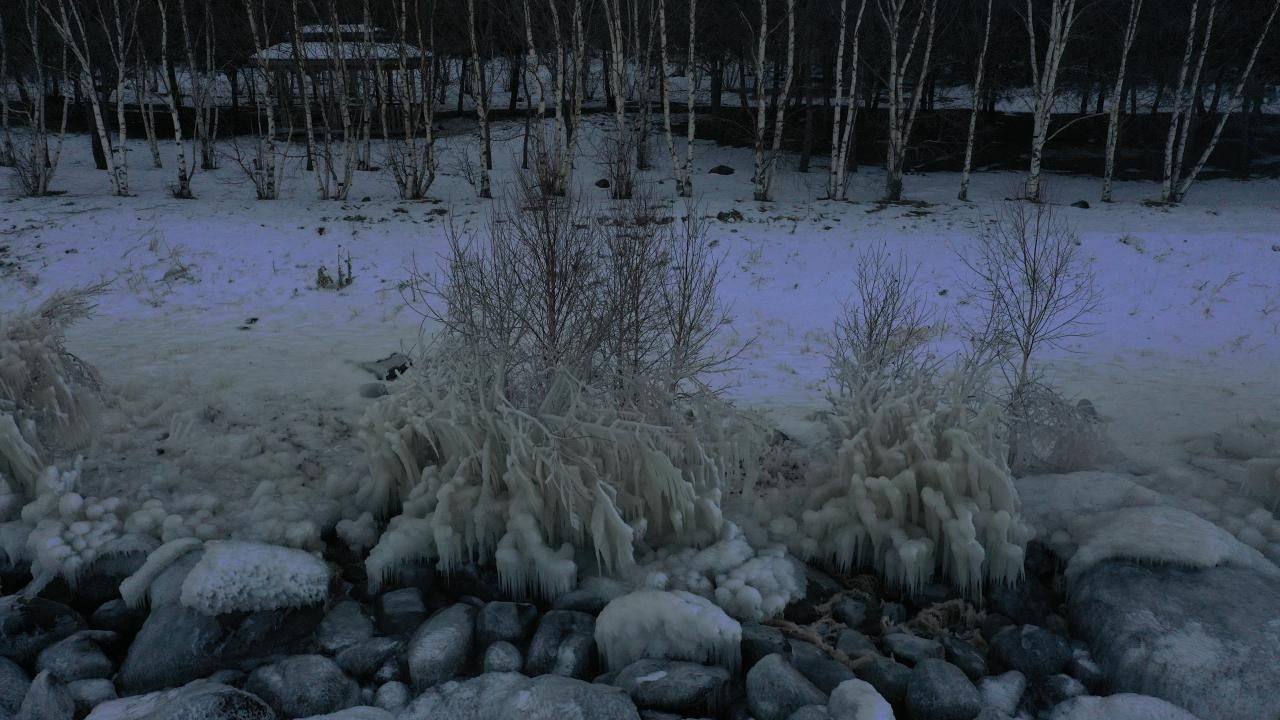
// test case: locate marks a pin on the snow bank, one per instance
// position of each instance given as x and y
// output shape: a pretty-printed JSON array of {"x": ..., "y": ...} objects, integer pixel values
[
  {"x": 674, "y": 625},
  {"x": 235, "y": 576}
]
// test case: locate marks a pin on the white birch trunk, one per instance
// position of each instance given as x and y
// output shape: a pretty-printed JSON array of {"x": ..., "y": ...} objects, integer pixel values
[
  {"x": 842, "y": 145},
  {"x": 147, "y": 112},
  {"x": 1117, "y": 99},
  {"x": 481, "y": 99},
  {"x": 691, "y": 101},
  {"x": 775, "y": 151},
  {"x": 1184, "y": 185},
  {"x": 6, "y": 142},
  {"x": 963, "y": 195},
  {"x": 902, "y": 115},
  {"x": 758, "y": 179},
  {"x": 183, "y": 189},
  {"x": 1062, "y": 17}
]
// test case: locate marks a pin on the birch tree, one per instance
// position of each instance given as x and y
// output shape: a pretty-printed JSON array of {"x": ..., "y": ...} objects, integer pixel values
[
  {"x": 570, "y": 63},
  {"x": 1117, "y": 99},
  {"x": 6, "y": 142},
  {"x": 845, "y": 107},
  {"x": 265, "y": 167},
  {"x": 200, "y": 67},
  {"x": 1044, "y": 78},
  {"x": 765, "y": 164},
  {"x": 35, "y": 161},
  {"x": 480, "y": 96},
  {"x": 979, "y": 76},
  {"x": 683, "y": 173},
  {"x": 412, "y": 159},
  {"x": 904, "y": 104},
  {"x": 618, "y": 157},
  {"x": 1182, "y": 183},
  {"x": 183, "y": 189},
  {"x": 1184, "y": 94}
]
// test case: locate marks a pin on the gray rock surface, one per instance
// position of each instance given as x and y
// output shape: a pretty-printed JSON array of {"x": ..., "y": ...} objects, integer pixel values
[
  {"x": 303, "y": 685},
  {"x": 14, "y": 682},
  {"x": 511, "y": 696},
  {"x": 400, "y": 612},
  {"x": 1031, "y": 650},
  {"x": 775, "y": 689},
  {"x": 199, "y": 700},
  {"x": 939, "y": 690},
  {"x": 815, "y": 664},
  {"x": 911, "y": 649},
  {"x": 502, "y": 656},
  {"x": 88, "y": 694},
  {"x": 392, "y": 696},
  {"x": 682, "y": 687},
  {"x": 47, "y": 699},
  {"x": 78, "y": 656},
  {"x": 343, "y": 626},
  {"x": 363, "y": 659},
  {"x": 1123, "y": 706},
  {"x": 440, "y": 648},
  {"x": 505, "y": 622},
  {"x": 1207, "y": 640},
  {"x": 1003, "y": 692},
  {"x": 888, "y": 677},
  {"x": 564, "y": 644},
  {"x": 29, "y": 625}
]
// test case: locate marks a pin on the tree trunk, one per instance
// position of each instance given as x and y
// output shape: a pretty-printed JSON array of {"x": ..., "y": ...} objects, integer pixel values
[
  {"x": 1117, "y": 98},
  {"x": 183, "y": 189},
  {"x": 1062, "y": 16},
  {"x": 979, "y": 76}
]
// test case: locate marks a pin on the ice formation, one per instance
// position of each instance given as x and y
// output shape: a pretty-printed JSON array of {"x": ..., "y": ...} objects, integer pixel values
[
  {"x": 912, "y": 483},
  {"x": 674, "y": 625},
  {"x": 234, "y": 576}
]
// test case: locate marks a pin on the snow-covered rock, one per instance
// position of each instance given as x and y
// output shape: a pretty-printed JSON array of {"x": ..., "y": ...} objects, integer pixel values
[
  {"x": 939, "y": 690},
  {"x": 1122, "y": 706},
  {"x": 775, "y": 689},
  {"x": 564, "y": 644},
  {"x": 1003, "y": 692},
  {"x": 502, "y": 656},
  {"x": 511, "y": 696},
  {"x": 199, "y": 699},
  {"x": 235, "y": 576},
  {"x": 392, "y": 696},
  {"x": 440, "y": 648},
  {"x": 1205, "y": 639},
  {"x": 681, "y": 687},
  {"x": 303, "y": 685},
  {"x": 675, "y": 625},
  {"x": 857, "y": 700},
  {"x": 89, "y": 694}
]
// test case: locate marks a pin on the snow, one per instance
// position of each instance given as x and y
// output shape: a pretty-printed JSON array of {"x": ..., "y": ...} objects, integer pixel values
[
  {"x": 226, "y": 369},
  {"x": 674, "y": 625},
  {"x": 234, "y": 576}
]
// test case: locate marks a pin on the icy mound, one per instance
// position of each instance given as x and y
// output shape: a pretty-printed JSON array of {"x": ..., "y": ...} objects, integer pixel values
[
  {"x": 674, "y": 625},
  {"x": 235, "y": 576}
]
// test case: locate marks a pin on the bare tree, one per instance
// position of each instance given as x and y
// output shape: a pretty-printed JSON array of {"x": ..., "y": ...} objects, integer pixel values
[
  {"x": 902, "y": 112},
  {"x": 480, "y": 96},
  {"x": 1044, "y": 78},
  {"x": 201, "y": 68},
  {"x": 265, "y": 165},
  {"x": 412, "y": 158},
  {"x": 183, "y": 188},
  {"x": 1176, "y": 192},
  {"x": 145, "y": 109},
  {"x": 979, "y": 76},
  {"x": 766, "y": 162},
  {"x": 683, "y": 172},
  {"x": 1184, "y": 93},
  {"x": 845, "y": 116},
  {"x": 569, "y": 58},
  {"x": 1117, "y": 99},
  {"x": 6, "y": 142},
  {"x": 36, "y": 160}
]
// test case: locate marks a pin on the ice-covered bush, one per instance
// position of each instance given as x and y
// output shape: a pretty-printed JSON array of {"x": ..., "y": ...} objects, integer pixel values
[
  {"x": 1049, "y": 434},
  {"x": 560, "y": 418},
  {"x": 46, "y": 394}
]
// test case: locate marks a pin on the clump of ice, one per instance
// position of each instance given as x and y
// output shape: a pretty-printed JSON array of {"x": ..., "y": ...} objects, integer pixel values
[{"x": 674, "y": 625}]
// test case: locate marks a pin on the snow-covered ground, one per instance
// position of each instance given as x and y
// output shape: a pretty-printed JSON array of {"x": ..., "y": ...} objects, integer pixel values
[{"x": 229, "y": 368}]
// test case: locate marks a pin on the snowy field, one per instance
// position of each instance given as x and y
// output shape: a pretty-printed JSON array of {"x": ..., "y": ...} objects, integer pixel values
[{"x": 233, "y": 384}]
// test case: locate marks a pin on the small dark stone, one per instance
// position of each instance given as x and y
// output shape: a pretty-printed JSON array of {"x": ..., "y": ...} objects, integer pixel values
[
  {"x": 602, "y": 183},
  {"x": 721, "y": 170},
  {"x": 993, "y": 623},
  {"x": 910, "y": 649},
  {"x": 775, "y": 689},
  {"x": 373, "y": 390},
  {"x": 683, "y": 687},
  {"x": 888, "y": 677},
  {"x": 854, "y": 643},
  {"x": 1031, "y": 650},
  {"x": 505, "y": 621},
  {"x": 363, "y": 659},
  {"x": 966, "y": 657},
  {"x": 802, "y": 612},
  {"x": 440, "y": 647},
  {"x": 1026, "y": 603},
  {"x": 118, "y": 617},
  {"x": 390, "y": 367},
  {"x": 564, "y": 644},
  {"x": 1082, "y": 204},
  {"x": 502, "y": 656},
  {"x": 732, "y": 216},
  {"x": 812, "y": 662},
  {"x": 820, "y": 587},
  {"x": 400, "y": 612},
  {"x": 856, "y": 613},
  {"x": 939, "y": 690},
  {"x": 759, "y": 641}
]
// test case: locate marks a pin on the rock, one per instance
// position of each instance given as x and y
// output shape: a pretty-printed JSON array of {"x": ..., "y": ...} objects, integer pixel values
[
  {"x": 390, "y": 367},
  {"x": 775, "y": 689},
  {"x": 77, "y": 657},
  {"x": 166, "y": 588},
  {"x": 117, "y": 559},
  {"x": 343, "y": 626},
  {"x": 14, "y": 682},
  {"x": 510, "y": 696},
  {"x": 811, "y": 712},
  {"x": 392, "y": 696},
  {"x": 47, "y": 699},
  {"x": 1209, "y": 638},
  {"x": 373, "y": 390},
  {"x": 364, "y": 658},
  {"x": 857, "y": 700},
  {"x": 1031, "y": 650},
  {"x": 721, "y": 170},
  {"x": 820, "y": 669},
  {"x": 802, "y": 612},
  {"x": 116, "y": 616},
  {"x": 29, "y": 625},
  {"x": 888, "y": 677},
  {"x": 1057, "y": 689},
  {"x": 1026, "y": 603},
  {"x": 1082, "y": 204},
  {"x": 591, "y": 595},
  {"x": 854, "y": 644},
  {"x": 819, "y": 586},
  {"x": 966, "y": 657},
  {"x": 230, "y": 676},
  {"x": 992, "y": 624},
  {"x": 761, "y": 640},
  {"x": 893, "y": 614},
  {"x": 939, "y": 690},
  {"x": 1124, "y": 706},
  {"x": 502, "y": 656},
  {"x": 911, "y": 649},
  {"x": 855, "y": 613},
  {"x": 1083, "y": 668},
  {"x": 199, "y": 700},
  {"x": 359, "y": 712},
  {"x": 928, "y": 595},
  {"x": 440, "y": 648},
  {"x": 1003, "y": 692},
  {"x": 174, "y": 646},
  {"x": 732, "y": 216},
  {"x": 674, "y": 686},
  {"x": 505, "y": 621},
  {"x": 303, "y": 685},
  {"x": 88, "y": 694},
  {"x": 564, "y": 644},
  {"x": 602, "y": 183},
  {"x": 400, "y": 612}
]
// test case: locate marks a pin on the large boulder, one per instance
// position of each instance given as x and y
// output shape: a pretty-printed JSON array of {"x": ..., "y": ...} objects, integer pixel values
[
  {"x": 14, "y": 682},
  {"x": 511, "y": 696},
  {"x": 1123, "y": 706},
  {"x": 440, "y": 648},
  {"x": 505, "y": 622},
  {"x": 1031, "y": 650},
  {"x": 939, "y": 690},
  {"x": 343, "y": 626},
  {"x": 1204, "y": 639},
  {"x": 775, "y": 689},
  {"x": 564, "y": 644},
  {"x": 78, "y": 657},
  {"x": 47, "y": 699},
  {"x": 29, "y": 625},
  {"x": 199, "y": 700},
  {"x": 303, "y": 685},
  {"x": 670, "y": 685}
]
